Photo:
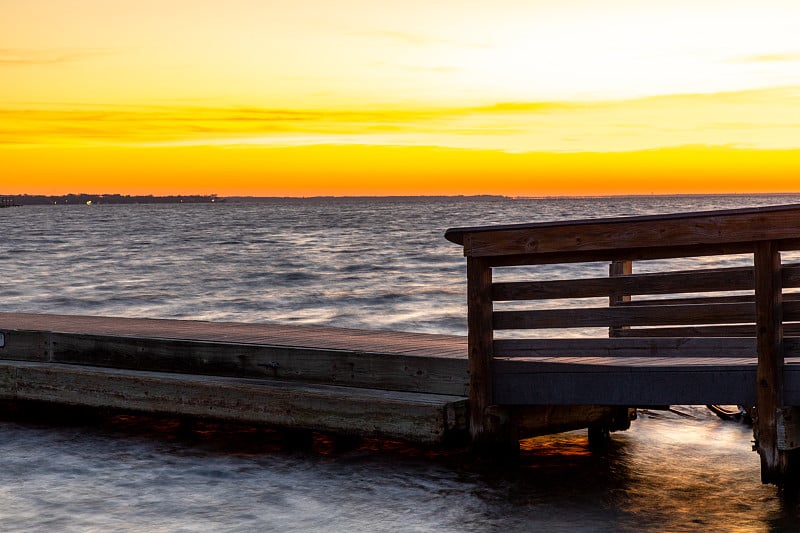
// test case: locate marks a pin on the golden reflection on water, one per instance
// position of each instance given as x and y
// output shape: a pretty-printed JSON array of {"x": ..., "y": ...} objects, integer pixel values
[{"x": 667, "y": 473}]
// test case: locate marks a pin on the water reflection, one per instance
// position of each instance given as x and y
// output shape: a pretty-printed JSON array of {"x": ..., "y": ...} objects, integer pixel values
[{"x": 667, "y": 473}]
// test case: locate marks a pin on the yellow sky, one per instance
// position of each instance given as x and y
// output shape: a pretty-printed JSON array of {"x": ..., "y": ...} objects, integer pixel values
[{"x": 308, "y": 97}]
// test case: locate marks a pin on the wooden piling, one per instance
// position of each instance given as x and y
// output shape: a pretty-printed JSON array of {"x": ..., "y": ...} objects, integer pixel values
[
  {"x": 769, "y": 345},
  {"x": 483, "y": 422}
]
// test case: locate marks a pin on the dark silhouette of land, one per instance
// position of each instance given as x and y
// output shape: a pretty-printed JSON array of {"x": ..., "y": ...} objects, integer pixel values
[
  {"x": 83, "y": 199},
  {"x": 77, "y": 199}
]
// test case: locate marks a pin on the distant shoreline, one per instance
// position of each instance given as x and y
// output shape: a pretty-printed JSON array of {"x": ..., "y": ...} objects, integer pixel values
[
  {"x": 116, "y": 199},
  {"x": 98, "y": 199}
]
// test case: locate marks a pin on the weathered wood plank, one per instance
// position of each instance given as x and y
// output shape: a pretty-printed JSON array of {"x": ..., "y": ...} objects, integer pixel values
[
  {"x": 748, "y": 330},
  {"x": 369, "y": 412},
  {"x": 624, "y": 254},
  {"x": 322, "y": 337},
  {"x": 596, "y": 364},
  {"x": 392, "y": 371},
  {"x": 26, "y": 345},
  {"x": 654, "y": 315},
  {"x": 738, "y": 298},
  {"x": 628, "y": 386},
  {"x": 769, "y": 337},
  {"x": 659, "y": 231},
  {"x": 727, "y": 279},
  {"x": 632, "y": 347}
]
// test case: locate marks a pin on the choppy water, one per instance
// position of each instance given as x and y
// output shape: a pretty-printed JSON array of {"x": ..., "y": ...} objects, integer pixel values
[{"x": 370, "y": 263}]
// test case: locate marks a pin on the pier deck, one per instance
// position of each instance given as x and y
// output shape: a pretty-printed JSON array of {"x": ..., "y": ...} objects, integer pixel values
[
  {"x": 372, "y": 383},
  {"x": 396, "y": 384}
]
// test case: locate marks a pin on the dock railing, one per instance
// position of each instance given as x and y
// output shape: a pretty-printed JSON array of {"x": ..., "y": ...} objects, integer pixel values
[{"x": 675, "y": 314}]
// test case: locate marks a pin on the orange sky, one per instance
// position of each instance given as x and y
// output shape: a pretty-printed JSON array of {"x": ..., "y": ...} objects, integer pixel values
[{"x": 523, "y": 98}]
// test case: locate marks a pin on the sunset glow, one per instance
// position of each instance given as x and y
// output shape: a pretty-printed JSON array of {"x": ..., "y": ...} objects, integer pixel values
[{"x": 315, "y": 97}]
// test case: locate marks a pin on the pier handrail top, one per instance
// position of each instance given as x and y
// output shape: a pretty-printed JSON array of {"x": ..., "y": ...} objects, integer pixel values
[{"x": 651, "y": 231}]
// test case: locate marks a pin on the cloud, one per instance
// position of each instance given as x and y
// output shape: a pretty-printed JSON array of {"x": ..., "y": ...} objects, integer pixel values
[
  {"x": 414, "y": 38},
  {"x": 785, "y": 57},
  {"x": 22, "y": 57},
  {"x": 760, "y": 120},
  {"x": 438, "y": 69}
]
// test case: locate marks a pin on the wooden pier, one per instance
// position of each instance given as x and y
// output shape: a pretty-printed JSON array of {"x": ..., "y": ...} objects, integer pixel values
[
  {"x": 357, "y": 382},
  {"x": 705, "y": 335},
  {"x": 409, "y": 386},
  {"x": 697, "y": 336}
]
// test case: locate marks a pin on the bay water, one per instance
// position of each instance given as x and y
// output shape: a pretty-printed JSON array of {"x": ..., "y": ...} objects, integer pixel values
[{"x": 375, "y": 263}]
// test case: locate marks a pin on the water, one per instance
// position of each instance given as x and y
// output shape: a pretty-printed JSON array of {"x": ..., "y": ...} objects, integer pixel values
[{"x": 371, "y": 263}]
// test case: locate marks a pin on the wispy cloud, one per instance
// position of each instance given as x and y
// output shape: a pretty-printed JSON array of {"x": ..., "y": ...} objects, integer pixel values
[
  {"x": 22, "y": 57},
  {"x": 436, "y": 69},
  {"x": 785, "y": 57},
  {"x": 760, "y": 121},
  {"x": 415, "y": 39}
]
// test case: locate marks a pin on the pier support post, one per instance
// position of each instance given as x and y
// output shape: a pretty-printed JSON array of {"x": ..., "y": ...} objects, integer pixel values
[
  {"x": 491, "y": 428},
  {"x": 769, "y": 328}
]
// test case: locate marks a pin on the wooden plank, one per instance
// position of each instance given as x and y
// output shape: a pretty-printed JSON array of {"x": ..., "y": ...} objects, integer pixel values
[
  {"x": 660, "y": 231},
  {"x": 627, "y": 386},
  {"x": 459, "y": 235},
  {"x": 322, "y": 337},
  {"x": 738, "y": 298},
  {"x": 791, "y": 382},
  {"x": 412, "y": 416},
  {"x": 726, "y": 279},
  {"x": 654, "y": 315},
  {"x": 622, "y": 254},
  {"x": 694, "y": 300},
  {"x": 630, "y": 347},
  {"x": 790, "y": 309},
  {"x": 392, "y": 371},
  {"x": 790, "y": 276},
  {"x": 748, "y": 330},
  {"x": 540, "y": 365},
  {"x": 26, "y": 345},
  {"x": 645, "y": 315},
  {"x": 769, "y": 337}
]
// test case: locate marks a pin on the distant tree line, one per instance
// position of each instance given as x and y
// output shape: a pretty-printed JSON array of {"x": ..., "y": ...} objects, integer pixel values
[{"x": 67, "y": 199}]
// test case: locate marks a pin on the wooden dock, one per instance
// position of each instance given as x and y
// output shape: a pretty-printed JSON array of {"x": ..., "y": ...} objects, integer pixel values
[
  {"x": 371, "y": 383},
  {"x": 402, "y": 385},
  {"x": 699, "y": 336},
  {"x": 705, "y": 335}
]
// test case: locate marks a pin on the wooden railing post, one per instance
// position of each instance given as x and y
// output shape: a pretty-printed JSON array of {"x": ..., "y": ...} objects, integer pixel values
[
  {"x": 618, "y": 268},
  {"x": 769, "y": 327},
  {"x": 490, "y": 429},
  {"x": 480, "y": 336}
]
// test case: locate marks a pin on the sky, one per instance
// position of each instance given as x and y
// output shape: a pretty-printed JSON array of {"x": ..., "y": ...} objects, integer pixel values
[{"x": 357, "y": 97}]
